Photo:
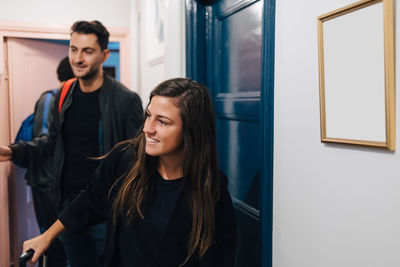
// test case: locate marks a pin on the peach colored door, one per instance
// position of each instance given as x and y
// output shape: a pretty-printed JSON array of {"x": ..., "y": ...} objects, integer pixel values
[{"x": 32, "y": 69}]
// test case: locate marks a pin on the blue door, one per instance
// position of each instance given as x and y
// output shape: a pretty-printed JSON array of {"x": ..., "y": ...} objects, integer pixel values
[{"x": 227, "y": 48}]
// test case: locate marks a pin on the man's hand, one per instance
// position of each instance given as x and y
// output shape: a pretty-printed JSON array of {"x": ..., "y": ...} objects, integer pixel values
[{"x": 5, "y": 153}]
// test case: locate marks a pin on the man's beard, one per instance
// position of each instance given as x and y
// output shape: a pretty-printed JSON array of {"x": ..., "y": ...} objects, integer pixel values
[{"x": 90, "y": 74}]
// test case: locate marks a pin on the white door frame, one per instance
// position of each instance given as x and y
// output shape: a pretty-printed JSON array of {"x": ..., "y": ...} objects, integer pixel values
[{"x": 36, "y": 31}]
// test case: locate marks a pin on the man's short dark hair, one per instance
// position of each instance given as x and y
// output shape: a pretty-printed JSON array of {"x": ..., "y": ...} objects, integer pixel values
[
  {"x": 95, "y": 27},
  {"x": 64, "y": 71}
]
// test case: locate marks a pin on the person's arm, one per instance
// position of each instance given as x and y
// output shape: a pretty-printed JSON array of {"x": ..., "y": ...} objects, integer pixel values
[
  {"x": 89, "y": 208},
  {"x": 24, "y": 151},
  {"x": 42, "y": 242},
  {"x": 5, "y": 153},
  {"x": 94, "y": 205}
]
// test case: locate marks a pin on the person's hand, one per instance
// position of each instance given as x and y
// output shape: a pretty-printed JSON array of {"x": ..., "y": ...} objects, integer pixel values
[
  {"x": 5, "y": 153},
  {"x": 39, "y": 244}
]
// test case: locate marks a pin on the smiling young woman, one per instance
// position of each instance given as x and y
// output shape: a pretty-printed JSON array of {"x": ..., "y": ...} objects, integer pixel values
[
  {"x": 163, "y": 130},
  {"x": 166, "y": 201}
]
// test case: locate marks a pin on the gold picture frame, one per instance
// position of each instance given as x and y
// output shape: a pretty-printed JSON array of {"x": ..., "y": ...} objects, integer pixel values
[{"x": 357, "y": 74}]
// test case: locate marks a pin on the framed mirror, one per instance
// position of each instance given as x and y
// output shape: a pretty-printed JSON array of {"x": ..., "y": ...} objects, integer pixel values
[{"x": 356, "y": 74}]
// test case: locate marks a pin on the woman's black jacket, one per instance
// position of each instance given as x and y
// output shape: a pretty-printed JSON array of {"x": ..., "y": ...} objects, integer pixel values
[{"x": 94, "y": 205}]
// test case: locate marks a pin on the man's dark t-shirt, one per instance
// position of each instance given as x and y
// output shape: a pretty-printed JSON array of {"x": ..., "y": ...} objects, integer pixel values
[{"x": 81, "y": 138}]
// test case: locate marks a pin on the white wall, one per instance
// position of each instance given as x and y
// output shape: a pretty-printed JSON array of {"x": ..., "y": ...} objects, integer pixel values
[
  {"x": 114, "y": 13},
  {"x": 171, "y": 64},
  {"x": 334, "y": 205},
  {"x": 134, "y": 37}
]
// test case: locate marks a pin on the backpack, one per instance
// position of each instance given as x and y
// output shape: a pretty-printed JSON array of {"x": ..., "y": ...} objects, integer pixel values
[{"x": 25, "y": 132}]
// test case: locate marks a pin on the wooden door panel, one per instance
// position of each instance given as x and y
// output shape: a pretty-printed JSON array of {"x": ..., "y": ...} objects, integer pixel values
[
  {"x": 238, "y": 153},
  {"x": 248, "y": 252},
  {"x": 238, "y": 46},
  {"x": 234, "y": 77}
]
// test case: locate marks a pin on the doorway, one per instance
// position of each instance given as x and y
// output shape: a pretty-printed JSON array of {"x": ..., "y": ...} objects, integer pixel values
[
  {"x": 32, "y": 68},
  {"x": 9, "y": 244}
]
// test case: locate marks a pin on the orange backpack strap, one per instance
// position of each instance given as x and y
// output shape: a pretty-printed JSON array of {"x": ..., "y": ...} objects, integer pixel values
[{"x": 64, "y": 91}]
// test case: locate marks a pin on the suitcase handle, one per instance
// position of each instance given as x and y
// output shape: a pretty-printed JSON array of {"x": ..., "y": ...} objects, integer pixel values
[{"x": 27, "y": 255}]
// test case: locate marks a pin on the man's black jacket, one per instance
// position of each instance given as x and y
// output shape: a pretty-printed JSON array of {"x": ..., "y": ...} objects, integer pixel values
[{"x": 121, "y": 115}]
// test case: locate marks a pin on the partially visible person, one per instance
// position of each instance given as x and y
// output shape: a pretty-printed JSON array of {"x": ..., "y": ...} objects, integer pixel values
[
  {"x": 38, "y": 172},
  {"x": 96, "y": 113},
  {"x": 164, "y": 198}
]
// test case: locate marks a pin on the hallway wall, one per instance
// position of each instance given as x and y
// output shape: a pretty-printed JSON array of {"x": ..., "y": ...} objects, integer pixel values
[
  {"x": 334, "y": 205},
  {"x": 62, "y": 12},
  {"x": 159, "y": 61}
]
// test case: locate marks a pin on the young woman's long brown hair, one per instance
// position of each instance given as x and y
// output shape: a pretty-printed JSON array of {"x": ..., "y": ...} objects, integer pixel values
[{"x": 200, "y": 171}]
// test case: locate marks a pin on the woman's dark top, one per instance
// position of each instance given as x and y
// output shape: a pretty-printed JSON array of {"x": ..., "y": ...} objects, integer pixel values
[{"x": 160, "y": 239}]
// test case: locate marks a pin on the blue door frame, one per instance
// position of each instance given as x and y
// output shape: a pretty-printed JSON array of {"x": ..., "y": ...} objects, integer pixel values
[
  {"x": 196, "y": 39},
  {"x": 267, "y": 130}
]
